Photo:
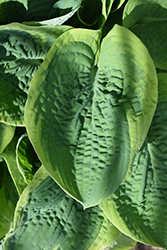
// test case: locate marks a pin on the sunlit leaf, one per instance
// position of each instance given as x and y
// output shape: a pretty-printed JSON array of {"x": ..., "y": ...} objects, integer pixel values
[
  {"x": 47, "y": 218},
  {"x": 138, "y": 207},
  {"x": 87, "y": 114}
]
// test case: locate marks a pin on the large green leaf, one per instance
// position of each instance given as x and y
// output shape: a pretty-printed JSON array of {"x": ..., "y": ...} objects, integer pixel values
[
  {"x": 138, "y": 207},
  {"x": 88, "y": 116},
  {"x": 27, "y": 160},
  {"x": 9, "y": 154},
  {"x": 22, "y": 49},
  {"x": 148, "y": 20},
  {"x": 8, "y": 199},
  {"x": 6, "y": 135},
  {"x": 47, "y": 218}
]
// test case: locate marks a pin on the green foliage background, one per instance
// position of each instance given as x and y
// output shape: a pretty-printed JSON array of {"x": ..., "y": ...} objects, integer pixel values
[{"x": 83, "y": 124}]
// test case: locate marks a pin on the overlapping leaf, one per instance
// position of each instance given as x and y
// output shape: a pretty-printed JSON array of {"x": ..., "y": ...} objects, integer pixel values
[
  {"x": 27, "y": 160},
  {"x": 6, "y": 135},
  {"x": 44, "y": 10},
  {"x": 13, "y": 11},
  {"x": 88, "y": 7},
  {"x": 117, "y": 4},
  {"x": 39, "y": 10},
  {"x": 22, "y": 49},
  {"x": 9, "y": 154},
  {"x": 87, "y": 116},
  {"x": 123, "y": 242},
  {"x": 47, "y": 218},
  {"x": 138, "y": 207},
  {"x": 8, "y": 199},
  {"x": 148, "y": 20}
]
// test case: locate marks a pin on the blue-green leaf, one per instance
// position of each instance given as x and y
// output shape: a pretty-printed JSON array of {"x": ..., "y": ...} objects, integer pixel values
[
  {"x": 22, "y": 50},
  {"x": 138, "y": 207},
  {"x": 89, "y": 109},
  {"x": 47, "y": 218}
]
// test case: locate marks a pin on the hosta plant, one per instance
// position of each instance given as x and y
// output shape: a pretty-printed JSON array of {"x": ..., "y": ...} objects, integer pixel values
[{"x": 83, "y": 149}]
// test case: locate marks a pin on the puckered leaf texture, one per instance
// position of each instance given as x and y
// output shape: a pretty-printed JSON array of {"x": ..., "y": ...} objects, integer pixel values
[
  {"x": 22, "y": 50},
  {"x": 138, "y": 207},
  {"x": 89, "y": 109},
  {"x": 47, "y": 218}
]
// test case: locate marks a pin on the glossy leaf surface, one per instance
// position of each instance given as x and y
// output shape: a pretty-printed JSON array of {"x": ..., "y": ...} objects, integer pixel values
[
  {"x": 88, "y": 111},
  {"x": 138, "y": 207}
]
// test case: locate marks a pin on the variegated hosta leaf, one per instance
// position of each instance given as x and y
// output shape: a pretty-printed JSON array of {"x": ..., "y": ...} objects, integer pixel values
[
  {"x": 26, "y": 158},
  {"x": 138, "y": 207},
  {"x": 89, "y": 110},
  {"x": 22, "y": 50},
  {"x": 9, "y": 154},
  {"x": 148, "y": 20},
  {"x": 47, "y": 218},
  {"x": 8, "y": 199},
  {"x": 6, "y": 135}
]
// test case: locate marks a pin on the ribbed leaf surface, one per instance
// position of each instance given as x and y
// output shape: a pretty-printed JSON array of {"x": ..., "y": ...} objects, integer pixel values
[
  {"x": 22, "y": 50},
  {"x": 87, "y": 114},
  {"x": 138, "y": 207},
  {"x": 49, "y": 219},
  {"x": 148, "y": 20}
]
